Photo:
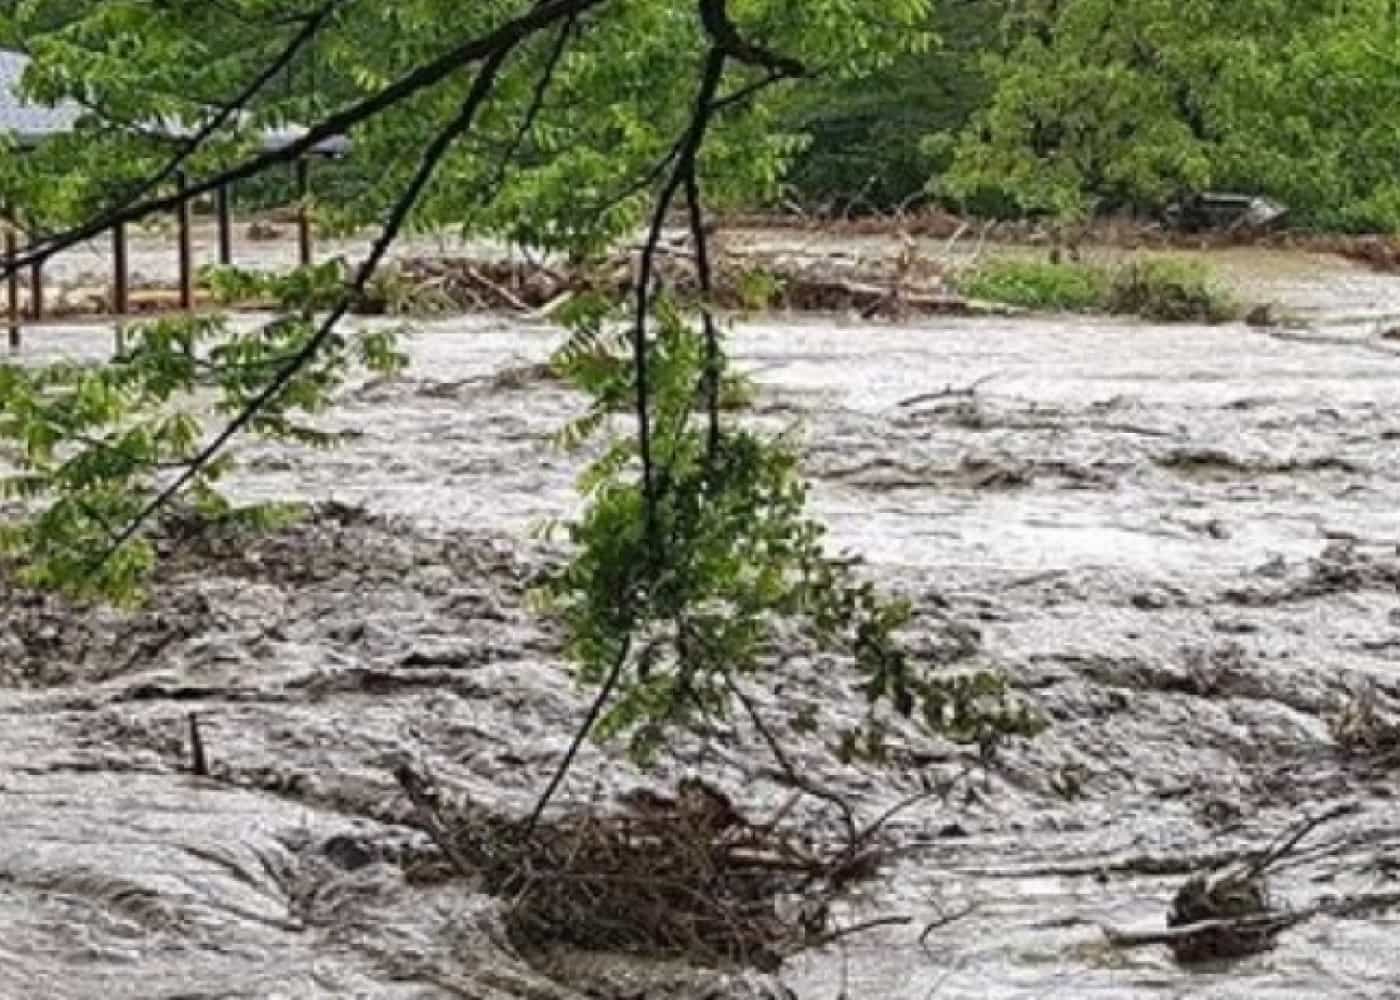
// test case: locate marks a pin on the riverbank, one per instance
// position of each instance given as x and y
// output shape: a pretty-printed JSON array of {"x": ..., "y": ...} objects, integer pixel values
[
  {"x": 883, "y": 269},
  {"x": 1380, "y": 251}
]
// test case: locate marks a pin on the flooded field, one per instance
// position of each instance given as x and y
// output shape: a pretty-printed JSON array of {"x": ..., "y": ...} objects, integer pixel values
[{"x": 1180, "y": 543}]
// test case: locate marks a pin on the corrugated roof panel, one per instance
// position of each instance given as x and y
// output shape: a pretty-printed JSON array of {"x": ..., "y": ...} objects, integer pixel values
[{"x": 32, "y": 123}]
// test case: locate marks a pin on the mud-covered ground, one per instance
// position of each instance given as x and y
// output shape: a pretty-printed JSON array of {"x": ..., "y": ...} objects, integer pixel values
[{"x": 1180, "y": 543}]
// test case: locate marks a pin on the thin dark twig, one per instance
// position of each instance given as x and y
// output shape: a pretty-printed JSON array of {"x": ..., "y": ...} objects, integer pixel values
[
  {"x": 838, "y": 933},
  {"x": 653, "y": 173},
  {"x": 685, "y": 163},
  {"x": 747, "y": 91},
  {"x": 1290, "y": 839},
  {"x": 432, "y": 156},
  {"x": 589, "y": 721},
  {"x": 864, "y": 836},
  {"x": 537, "y": 99},
  {"x": 506, "y": 37},
  {"x": 311, "y": 27},
  {"x": 726, "y": 38},
  {"x": 658, "y": 169},
  {"x": 639, "y": 362},
  {"x": 944, "y": 919},
  {"x": 796, "y": 777},
  {"x": 199, "y": 763},
  {"x": 704, "y": 277}
]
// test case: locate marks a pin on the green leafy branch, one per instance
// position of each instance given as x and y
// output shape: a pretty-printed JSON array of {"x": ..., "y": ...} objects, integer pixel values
[
  {"x": 694, "y": 558},
  {"x": 745, "y": 569},
  {"x": 89, "y": 446}
]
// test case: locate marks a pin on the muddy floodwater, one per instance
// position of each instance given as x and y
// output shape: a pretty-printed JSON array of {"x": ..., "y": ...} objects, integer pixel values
[{"x": 1180, "y": 543}]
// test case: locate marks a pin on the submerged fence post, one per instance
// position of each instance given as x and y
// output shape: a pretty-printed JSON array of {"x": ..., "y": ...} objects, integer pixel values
[
  {"x": 182, "y": 218},
  {"x": 121, "y": 284},
  {"x": 221, "y": 198},
  {"x": 12, "y": 290},
  {"x": 304, "y": 212},
  {"x": 36, "y": 291}
]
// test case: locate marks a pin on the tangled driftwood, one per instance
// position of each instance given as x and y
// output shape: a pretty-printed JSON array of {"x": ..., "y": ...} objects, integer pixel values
[
  {"x": 1230, "y": 913},
  {"x": 685, "y": 875},
  {"x": 749, "y": 281}
]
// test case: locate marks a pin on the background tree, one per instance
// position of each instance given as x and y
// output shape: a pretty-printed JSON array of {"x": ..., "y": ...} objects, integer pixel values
[
  {"x": 1101, "y": 106},
  {"x": 862, "y": 135}
]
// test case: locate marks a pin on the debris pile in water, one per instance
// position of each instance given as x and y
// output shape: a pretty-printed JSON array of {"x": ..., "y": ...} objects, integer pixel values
[
  {"x": 681, "y": 876},
  {"x": 748, "y": 281}
]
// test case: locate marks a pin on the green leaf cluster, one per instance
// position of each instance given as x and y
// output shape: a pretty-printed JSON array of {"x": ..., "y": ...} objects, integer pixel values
[
  {"x": 688, "y": 592},
  {"x": 318, "y": 287},
  {"x": 85, "y": 447}
]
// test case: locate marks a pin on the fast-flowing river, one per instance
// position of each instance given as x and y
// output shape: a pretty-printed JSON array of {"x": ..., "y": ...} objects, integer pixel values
[{"x": 1180, "y": 543}]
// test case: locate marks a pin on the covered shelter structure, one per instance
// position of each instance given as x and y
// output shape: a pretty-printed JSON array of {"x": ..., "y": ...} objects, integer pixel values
[{"x": 28, "y": 125}]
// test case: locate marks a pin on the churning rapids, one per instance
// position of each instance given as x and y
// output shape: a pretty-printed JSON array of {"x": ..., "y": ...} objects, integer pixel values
[{"x": 1181, "y": 544}]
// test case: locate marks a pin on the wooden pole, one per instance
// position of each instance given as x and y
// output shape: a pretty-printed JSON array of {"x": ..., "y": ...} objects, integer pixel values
[
  {"x": 121, "y": 284},
  {"x": 304, "y": 211},
  {"x": 121, "y": 276},
  {"x": 182, "y": 218},
  {"x": 36, "y": 290},
  {"x": 12, "y": 290},
  {"x": 225, "y": 226}
]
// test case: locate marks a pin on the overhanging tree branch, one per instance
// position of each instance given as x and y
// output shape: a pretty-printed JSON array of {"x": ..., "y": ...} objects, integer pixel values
[
  {"x": 312, "y": 24},
  {"x": 683, "y": 154},
  {"x": 483, "y": 47},
  {"x": 432, "y": 156},
  {"x": 685, "y": 163},
  {"x": 714, "y": 14},
  {"x": 537, "y": 99}
]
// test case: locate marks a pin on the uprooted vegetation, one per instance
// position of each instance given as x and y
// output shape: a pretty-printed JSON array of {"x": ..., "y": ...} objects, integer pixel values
[
  {"x": 1230, "y": 912},
  {"x": 1167, "y": 290}
]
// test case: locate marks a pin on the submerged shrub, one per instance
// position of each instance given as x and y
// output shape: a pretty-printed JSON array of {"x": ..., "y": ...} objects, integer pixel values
[
  {"x": 1163, "y": 289},
  {"x": 1038, "y": 284},
  {"x": 1170, "y": 291}
]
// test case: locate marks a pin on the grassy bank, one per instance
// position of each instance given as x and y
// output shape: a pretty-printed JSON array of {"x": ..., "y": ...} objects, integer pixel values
[{"x": 1162, "y": 289}]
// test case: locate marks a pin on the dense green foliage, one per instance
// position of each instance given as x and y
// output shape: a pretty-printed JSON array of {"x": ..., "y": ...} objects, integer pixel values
[
  {"x": 1076, "y": 107},
  {"x": 89, "y": 446},
  {"x": 1163, "y": 289},
  {"x": 618, "y": 95},
  {"x": 1000, "y": 107},
  {"x": 728, "y": 572},
  {"x": 577, "y": 119},
  {"x": 863, "y": 137},
  {"x": 1109, "y": 106},
  {"x": 1034, "y": 283},
  {"x": 1170, "y": 291}
]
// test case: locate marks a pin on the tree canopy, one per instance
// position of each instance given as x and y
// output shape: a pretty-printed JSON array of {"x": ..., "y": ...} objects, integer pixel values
[
  {"x": 587, "y": 97},
  {"x": 1109, "y": 106},
  {"x": 1073, "y": 107},
  {"x": 1000, "y": 107}
]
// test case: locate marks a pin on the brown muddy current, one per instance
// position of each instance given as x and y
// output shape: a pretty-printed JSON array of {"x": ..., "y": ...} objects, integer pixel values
[{"x": 1180, "y": 543}]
